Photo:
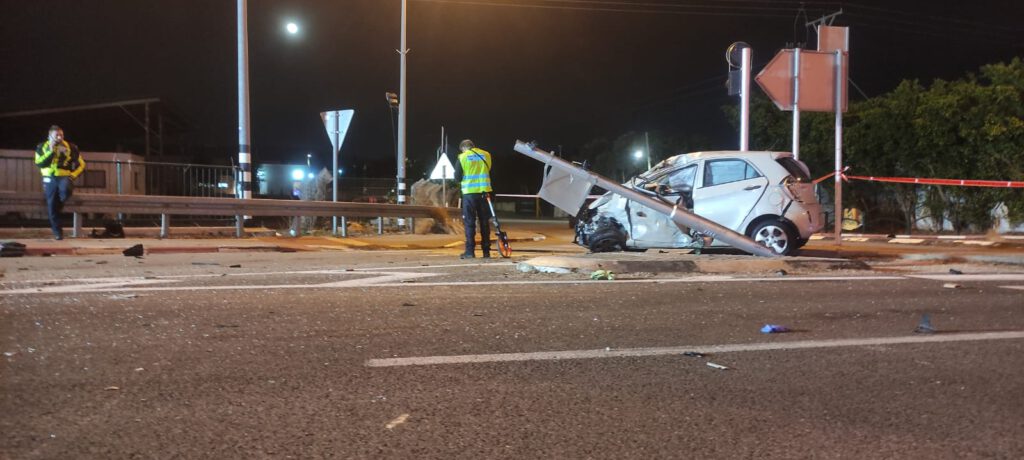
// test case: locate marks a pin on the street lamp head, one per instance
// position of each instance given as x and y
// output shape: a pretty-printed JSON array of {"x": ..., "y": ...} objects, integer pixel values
[
  {"x": 638, "y": 154},
  {"x": 292, "y": 28}
]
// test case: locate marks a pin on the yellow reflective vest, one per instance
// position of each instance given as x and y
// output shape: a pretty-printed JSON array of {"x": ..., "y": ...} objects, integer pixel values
[
  {"x": 59, "y": 160},
  {"x": 476, "y": 171}
]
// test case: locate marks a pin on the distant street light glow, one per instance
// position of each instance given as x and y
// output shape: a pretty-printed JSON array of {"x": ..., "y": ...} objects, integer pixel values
[
  {"x": 292, "y": 28},
  {"x": 297, "y": 174},
  {"x": 638, "y": 154}
]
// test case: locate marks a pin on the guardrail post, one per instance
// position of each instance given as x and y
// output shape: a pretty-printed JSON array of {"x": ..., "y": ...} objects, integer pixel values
[
  {"x": 165, "y": 225},
  {"x": 344, "y": 227},
  {"x": 120, "y": 215},
  {"x": 76, "y": 229},
  {"x": 412, "y": 225},
  {"x": 380, "y": 225},
  {"x": 239, "y": 226}
]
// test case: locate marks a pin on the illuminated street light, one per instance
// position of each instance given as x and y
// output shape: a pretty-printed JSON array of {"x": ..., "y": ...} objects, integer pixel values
[
  {"x": 292, "y": 28},
  {"x": 297, "y": 174},
  {"x": 638, "y": 154}
]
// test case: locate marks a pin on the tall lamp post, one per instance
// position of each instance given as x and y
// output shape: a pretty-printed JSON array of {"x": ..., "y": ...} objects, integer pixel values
[{"x": 244, "y": 188}]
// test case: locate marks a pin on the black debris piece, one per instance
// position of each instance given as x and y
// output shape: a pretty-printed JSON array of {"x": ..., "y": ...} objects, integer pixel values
[{"x": 134, "y": 251}]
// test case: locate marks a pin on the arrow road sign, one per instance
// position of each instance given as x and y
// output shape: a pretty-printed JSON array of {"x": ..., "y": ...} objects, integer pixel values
[{"x": 817, "y": 80}]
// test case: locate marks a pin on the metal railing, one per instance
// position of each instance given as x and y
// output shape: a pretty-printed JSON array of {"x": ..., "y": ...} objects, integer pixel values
[{"x": 166, "y": 206}]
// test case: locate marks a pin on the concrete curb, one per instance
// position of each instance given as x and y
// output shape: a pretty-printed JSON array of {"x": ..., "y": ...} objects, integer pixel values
[{"x": 686, "y": 263}]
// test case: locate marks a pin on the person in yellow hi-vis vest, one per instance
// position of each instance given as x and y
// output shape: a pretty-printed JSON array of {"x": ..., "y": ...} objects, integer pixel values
[
  {"x": 473, "y": 172},
  {"x": 60, "y": 163}
]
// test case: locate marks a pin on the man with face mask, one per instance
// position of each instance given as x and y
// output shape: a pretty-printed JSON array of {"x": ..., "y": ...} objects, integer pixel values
[{"x": 60, "y": 163}]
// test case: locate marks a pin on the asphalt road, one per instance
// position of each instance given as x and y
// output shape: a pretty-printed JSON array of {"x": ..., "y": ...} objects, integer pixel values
[{"x": 414, "y": 354}]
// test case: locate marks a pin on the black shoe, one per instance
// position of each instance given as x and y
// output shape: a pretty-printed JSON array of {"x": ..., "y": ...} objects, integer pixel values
[
  {"x": 58, "y": 237},
  {"x": 466, "y": 256},
  {"x": 487, "y": 255}
]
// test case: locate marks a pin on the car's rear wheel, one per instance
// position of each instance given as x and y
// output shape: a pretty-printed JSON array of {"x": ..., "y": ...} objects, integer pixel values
[{"x": 776, "y": 235}]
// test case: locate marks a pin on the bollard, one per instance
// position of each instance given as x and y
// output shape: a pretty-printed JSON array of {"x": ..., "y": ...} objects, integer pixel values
[
  {"x": 344, "y": 227},
  {"x": 76, "y": 229},
  {"x": 380, "y": 225},
  {"x": 165, "y": 225}
]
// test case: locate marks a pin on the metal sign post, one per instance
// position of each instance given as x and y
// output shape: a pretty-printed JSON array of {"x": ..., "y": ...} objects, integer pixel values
[{"x": 336, "y": 122}]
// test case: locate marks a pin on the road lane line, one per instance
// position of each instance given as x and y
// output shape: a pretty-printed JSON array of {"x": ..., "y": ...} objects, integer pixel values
[
  {"x": 980, "y": 277},
  {"x": 407, "y": 279},
  {"x": 706, "y": 349},
  {"x": 1019, "y": 288}
]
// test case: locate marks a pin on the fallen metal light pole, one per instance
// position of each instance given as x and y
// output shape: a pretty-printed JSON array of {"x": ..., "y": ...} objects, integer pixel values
[{"x": 681, "y": 217}]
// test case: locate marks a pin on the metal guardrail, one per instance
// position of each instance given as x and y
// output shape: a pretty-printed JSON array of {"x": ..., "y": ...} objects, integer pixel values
[{"x": 166, "y": 206}]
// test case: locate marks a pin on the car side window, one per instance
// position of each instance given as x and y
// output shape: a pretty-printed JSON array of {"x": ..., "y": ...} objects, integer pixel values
[
  {"x": 719, "y": 172},
  {"x": 674, "y": 181}
]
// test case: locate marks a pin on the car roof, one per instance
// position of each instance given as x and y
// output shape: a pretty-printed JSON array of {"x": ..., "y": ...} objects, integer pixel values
[{"x": 713, "y": 154}]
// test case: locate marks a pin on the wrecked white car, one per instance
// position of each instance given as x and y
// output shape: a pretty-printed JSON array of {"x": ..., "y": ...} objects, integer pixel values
[{"x": 768, "y": 196}]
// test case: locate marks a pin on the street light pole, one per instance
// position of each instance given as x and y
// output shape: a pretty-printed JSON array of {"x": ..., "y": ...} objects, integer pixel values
[
  {"x": 647, "y": 144},
  {"x": 403, "y": 99},
  {"x": 244, "y": 189}
]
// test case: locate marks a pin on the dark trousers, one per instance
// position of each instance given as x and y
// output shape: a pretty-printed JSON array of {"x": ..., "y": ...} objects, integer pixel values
[
  {"x": 57, "y": 190},
  {"x": 474, "y": 208}
]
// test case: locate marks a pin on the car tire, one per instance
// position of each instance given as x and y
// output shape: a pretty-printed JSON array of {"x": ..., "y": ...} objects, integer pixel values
[
  {"x": 776, "y": 235},
  {"x": 608, "y": 238}
]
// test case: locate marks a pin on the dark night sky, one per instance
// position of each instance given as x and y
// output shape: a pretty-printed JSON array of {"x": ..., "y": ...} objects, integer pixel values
[{"x": 559, "y": 72}]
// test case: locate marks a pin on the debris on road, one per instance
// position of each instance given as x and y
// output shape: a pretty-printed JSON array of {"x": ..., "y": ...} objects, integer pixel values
[
  {"x": 123, "y": 296},
  {"x": 953, "y": 271},
  {"x": 717, "y": 366},
  {"x": 693, "y": 354},
  {"x": 12, "y": 249},
  {"x": 925, "y": 326},
  {"x": 952, "y": 286},
  {"x": 235, "y": 266},
  {"x": 397, "y": 421},
  {"x": 112, "y": 388},
  {"x": 602, "y": 275},
  {"x": 134, "y": 251},
  {"x": 408, "y": 304},
  {"x": 781, "y": 272},
  {"x": 205, "y": 263},
  {"x": 773, "y": 329}
]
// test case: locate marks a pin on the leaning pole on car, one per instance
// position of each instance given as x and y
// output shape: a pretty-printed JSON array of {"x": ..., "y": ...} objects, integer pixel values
[{"x": 681, "y": 217}]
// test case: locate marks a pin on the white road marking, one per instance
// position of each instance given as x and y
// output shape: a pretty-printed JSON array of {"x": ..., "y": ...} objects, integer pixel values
[
  {"x": 1019, "y": 288},
  {"x": 900, "y": 240},
  {"x": 706, "y": 349},
  {"x": 115, "y": 284},
  {"x": 980, "y": 277}
]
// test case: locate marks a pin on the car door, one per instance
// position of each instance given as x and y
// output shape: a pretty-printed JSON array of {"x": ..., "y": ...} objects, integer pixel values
[
  {"x": 651, "y": 228},
  {"x": 729, "y": 189}
]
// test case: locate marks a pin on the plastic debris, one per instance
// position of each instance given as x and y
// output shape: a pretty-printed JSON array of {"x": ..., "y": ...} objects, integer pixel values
[
  {"x": 953, "y": 271},
  {"x": 781, "y": 272},
  {"x": 925, "y": 326},
  {"x": 134, "y": 251},
  {"x": 693, "y": 354},
  {"x": 952, "y": 286},
  {"x": 717, "y": 366},
  {"x": 773, "y": 329},
  {"x": 205, "y": 263},
  {"x": 123, "y": 296},
  {"x": 235, "y": 266},
  {"x": 602, "y": 275},
  {"x": 112, "y": 388}
]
